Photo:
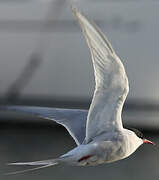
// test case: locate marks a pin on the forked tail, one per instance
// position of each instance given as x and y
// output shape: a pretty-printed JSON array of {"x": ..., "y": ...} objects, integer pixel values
[{"x": 42, "y": 164}]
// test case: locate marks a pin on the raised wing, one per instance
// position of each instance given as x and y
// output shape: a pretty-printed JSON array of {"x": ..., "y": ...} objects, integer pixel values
[
  {"x": 111, "y": 82},
  {"x": 74, "y": 120}
]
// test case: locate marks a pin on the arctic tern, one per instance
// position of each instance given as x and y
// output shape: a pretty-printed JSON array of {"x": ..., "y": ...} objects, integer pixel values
[{"x": 98, "y": 133}]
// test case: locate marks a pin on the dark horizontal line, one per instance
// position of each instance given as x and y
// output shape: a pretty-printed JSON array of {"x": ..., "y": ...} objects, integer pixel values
[
  {"x": 83, "y": 103},
  {"x": 23, "y": 123}
]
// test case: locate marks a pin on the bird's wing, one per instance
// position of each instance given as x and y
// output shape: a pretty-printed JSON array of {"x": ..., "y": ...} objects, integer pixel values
[
  {"x": 111, "y": 81},
  {"x": 74, "y": 120}
]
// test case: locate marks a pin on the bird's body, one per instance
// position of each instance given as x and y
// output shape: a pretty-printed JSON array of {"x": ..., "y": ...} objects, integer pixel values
[
  {"x": 105, "y": 148},
  {"x": 98, "y": 133}
]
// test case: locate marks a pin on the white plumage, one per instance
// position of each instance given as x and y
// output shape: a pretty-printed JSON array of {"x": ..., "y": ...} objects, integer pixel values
[
  {"x": 111, "y": 82},
  {"x": 99, "y": 132}
]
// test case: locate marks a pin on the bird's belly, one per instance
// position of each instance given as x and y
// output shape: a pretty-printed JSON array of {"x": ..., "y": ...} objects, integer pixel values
[
  {"x": 114, "y": 151},
  {"x": 107, "y": 156},
  {"x": 92, "y": 162}
]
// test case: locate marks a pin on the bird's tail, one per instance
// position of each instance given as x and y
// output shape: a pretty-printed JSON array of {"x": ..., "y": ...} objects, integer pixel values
[{"x": 42, "y": 164}]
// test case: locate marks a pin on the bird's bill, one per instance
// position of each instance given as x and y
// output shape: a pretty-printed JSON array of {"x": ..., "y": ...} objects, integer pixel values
[{"x": 146, "y": 141}]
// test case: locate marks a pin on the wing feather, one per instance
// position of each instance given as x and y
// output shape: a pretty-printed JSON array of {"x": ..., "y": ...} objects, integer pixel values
[
  {"x": 74, "y": 120},
  {"x": 111, "y": 81}
]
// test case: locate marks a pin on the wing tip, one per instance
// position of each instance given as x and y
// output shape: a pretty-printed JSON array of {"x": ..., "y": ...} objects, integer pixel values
[{"x": 75, "y": 11}]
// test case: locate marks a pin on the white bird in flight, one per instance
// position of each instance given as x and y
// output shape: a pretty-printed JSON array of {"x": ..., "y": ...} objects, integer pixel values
[{"x": 98, "y": 133}]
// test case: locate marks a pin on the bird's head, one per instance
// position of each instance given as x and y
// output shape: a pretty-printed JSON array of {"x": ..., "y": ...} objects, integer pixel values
[{"x": 140, "y": 135}]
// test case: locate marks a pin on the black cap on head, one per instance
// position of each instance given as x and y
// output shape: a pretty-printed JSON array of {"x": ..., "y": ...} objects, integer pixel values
[{"x": 137, "y": 132}]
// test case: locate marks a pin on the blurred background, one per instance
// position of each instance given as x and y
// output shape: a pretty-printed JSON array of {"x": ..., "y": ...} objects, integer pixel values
[{"x": 45, "y": 61}]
